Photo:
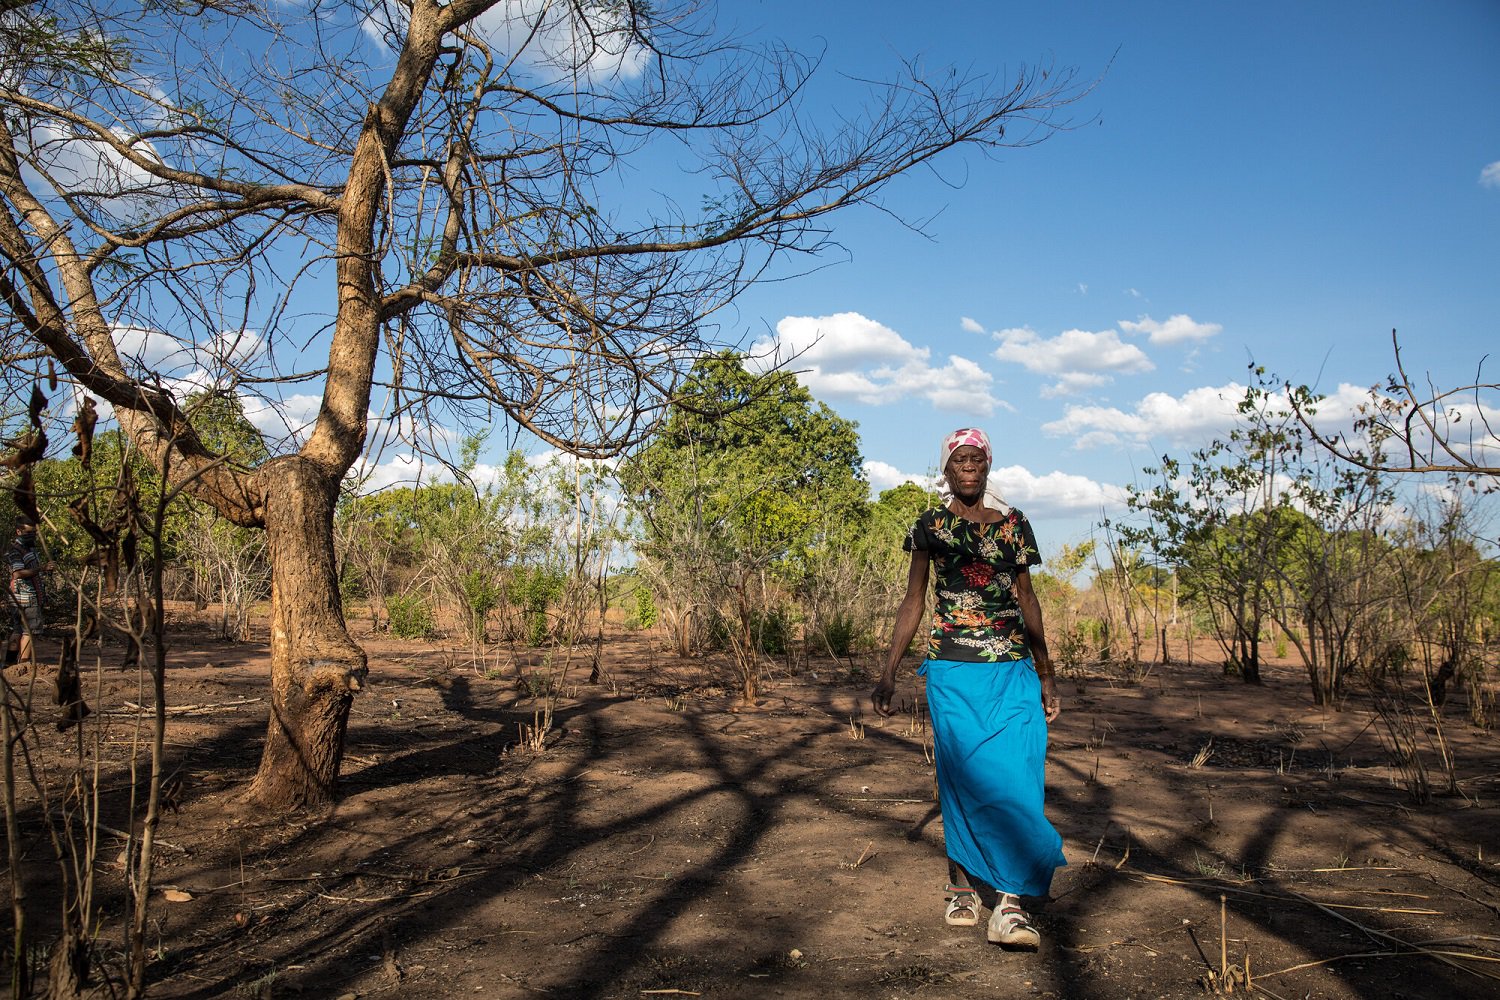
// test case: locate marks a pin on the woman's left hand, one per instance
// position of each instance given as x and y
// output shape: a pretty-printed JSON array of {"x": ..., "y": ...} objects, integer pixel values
[{"x": 1050, "y": 705}]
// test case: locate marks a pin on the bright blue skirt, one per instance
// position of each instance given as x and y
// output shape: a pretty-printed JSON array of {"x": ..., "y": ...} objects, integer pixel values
[{"x": 990, "y": 738}]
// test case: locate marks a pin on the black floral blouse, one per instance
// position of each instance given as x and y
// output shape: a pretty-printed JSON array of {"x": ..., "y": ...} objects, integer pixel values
[{"x": 977, "y": 618}]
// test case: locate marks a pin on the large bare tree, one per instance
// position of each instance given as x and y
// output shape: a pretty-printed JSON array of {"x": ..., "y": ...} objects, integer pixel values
[{"x": 464, "y": 205}]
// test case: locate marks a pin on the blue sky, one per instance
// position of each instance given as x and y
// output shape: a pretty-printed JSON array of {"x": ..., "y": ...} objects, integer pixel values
[
  {"x": 1277, "y": 183},
  {"x": 1283, "y": 183}
]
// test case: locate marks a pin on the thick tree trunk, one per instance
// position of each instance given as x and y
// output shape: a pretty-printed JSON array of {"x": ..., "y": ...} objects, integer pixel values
[{"x": 315, "y": 667}]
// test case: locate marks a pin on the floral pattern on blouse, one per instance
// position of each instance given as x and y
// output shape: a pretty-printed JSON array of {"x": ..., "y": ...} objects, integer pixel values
[{"x": 977, "y": 617}]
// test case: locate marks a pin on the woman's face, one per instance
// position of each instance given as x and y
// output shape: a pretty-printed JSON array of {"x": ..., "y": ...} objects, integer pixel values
[{"x": 967, "y": 470}]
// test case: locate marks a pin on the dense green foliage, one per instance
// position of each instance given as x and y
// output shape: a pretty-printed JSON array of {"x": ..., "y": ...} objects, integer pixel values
[
  {"x": 410, "y": 616},
  {"x": 747, "y": 483},
  {"x": 511, "y": 550},
  {"x": 748, "y": 465}
]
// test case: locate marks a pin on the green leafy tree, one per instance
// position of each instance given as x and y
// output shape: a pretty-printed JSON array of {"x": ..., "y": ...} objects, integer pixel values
[
  {"x": 377, "y": 544},
  {"x": 472, "y": 536},
  {"x": 220, "y": 560},
  {"x": 1217, "y": 521},
  {"x": 746, "y": 479},
  {"x": 1261, "y": 527},
  {"x": 456, "y": 543},
  {"x": 586, "y": 524},
  {"x": 1336, "y": 576},
  {"x": 855, "y": 575},
  {"x": 1217, "y": 544}
]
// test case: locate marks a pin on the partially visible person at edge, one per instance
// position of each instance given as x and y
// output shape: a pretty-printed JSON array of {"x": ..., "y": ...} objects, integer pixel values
[
  {"x": 990, "y": 691},
  {"x": 25, "y": 588}
]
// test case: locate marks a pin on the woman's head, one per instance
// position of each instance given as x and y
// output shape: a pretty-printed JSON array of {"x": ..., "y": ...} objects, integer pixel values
[
  {"x": 966, "y": 437},
  {"x": 966, "y": 458}
]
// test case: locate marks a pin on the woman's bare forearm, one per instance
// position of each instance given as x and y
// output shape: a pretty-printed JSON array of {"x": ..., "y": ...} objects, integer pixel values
[
  {"x": 1031, "y": 620},
  {"x": 909, "y": 614},
  {"x": 908, "y": 620}
]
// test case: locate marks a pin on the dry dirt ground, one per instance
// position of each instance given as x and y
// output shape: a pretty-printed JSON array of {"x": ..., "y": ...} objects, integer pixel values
[{"x": 663, "y": 842}]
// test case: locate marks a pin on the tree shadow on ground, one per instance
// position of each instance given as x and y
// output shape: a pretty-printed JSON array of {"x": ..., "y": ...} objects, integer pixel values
[{"x": 447, "y": 820}]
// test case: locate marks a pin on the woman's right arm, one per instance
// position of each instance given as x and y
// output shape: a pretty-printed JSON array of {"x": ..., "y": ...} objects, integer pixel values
[{"x": 908, "y": 620}]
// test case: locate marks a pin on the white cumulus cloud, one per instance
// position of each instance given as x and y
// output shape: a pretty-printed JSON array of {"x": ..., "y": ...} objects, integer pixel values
[
  {"x": 556, "y": 40},
  {"x": 1078, "y": 359},
  {"x": 398, "y": 470},
  {"x": 1178, "y": 329},
  {"x": 847, "y": 356},
  {"x": 884, "y": 476},
  {"x": 287, "y": 420},
  {"x": 78, "y": 162},
  {"x": 971, "y": 325},
  {"x": 1072, "y": 383},
  {"x": 1193, "y": 418},
  {"x": 1490, "y": 175},
  {"x": 1055, "y": 494}
]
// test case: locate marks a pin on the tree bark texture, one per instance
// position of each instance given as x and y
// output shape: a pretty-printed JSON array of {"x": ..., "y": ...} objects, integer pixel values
[{"x": 316, "y": 669}]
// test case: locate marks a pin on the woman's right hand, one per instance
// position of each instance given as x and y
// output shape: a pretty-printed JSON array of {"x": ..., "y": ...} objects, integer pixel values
[{"x": 880, "y": 698}]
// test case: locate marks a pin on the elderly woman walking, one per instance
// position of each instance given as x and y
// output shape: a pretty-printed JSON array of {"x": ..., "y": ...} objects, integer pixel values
[{"x": 990, "y": 690}]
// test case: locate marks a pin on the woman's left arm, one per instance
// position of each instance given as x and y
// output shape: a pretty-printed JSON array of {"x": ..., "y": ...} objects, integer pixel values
[{"x": 1036, "y": 638}]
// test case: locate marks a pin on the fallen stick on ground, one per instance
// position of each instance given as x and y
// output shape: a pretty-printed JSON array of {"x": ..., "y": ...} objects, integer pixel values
[
  {"x": 156, "y": 842},
  {"x": 1262, "y": 894},
  {"x": 131, "y": 708},
  {"x": 1450, "y": 958}
]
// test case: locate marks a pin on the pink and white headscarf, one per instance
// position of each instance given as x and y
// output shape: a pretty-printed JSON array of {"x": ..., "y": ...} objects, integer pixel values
[{"x": 979, "y": 439}]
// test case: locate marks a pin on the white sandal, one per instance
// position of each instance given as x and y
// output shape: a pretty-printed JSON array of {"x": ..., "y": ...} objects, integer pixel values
[
  {"x": 1010, "y": 927},
  {"x": 963, "y": 907}
]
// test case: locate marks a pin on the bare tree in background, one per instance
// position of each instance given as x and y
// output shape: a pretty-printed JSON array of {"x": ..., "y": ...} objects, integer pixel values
[
  {"x": 1415, "y": 428},
  {"x": 455, "y": 202}
]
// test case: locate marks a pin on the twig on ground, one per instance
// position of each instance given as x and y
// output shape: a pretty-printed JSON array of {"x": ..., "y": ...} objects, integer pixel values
[
  {"x": 1099, "y": 846},
  {"x": 125, "y": 836},
  {"x": 1399, "y": 953},
  {"x": 1140, "y": 939},
  {"x": 1366, "y": 868},
  {"x": 372, "y": 899},
  {"x": 864, "y": 856},
  {"x": 1492, "y": 907},
  {"x": 1223, "y": 937},
  {"x": 1330, "y": 961},
  {"x": 1446, "y": 957},
  {"x": 131, "y": 708},
  {"x": 1220, "y": 883}
]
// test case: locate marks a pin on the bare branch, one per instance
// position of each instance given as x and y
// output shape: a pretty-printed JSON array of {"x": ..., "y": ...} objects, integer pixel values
[{"x": 1421, "y": 424}]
